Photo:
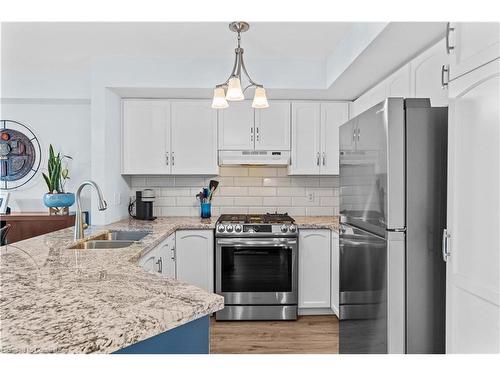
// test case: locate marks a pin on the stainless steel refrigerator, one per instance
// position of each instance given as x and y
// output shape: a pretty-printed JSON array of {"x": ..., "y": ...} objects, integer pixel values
[{"x": 393, "y": 211}]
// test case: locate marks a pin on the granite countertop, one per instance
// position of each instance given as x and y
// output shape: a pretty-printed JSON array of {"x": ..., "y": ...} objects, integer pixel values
[{"x": 59, "y": 300}]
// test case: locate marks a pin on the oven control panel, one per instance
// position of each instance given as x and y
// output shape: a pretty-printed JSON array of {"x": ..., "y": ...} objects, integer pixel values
[{"x": 233, "y": 229}]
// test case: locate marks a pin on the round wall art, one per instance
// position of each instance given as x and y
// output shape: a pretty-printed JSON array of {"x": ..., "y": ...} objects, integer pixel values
[{"x": 20, "y": 154}]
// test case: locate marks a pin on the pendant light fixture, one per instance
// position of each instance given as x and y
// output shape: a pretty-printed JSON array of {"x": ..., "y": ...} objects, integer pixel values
[{"x": 231, "y": 89}]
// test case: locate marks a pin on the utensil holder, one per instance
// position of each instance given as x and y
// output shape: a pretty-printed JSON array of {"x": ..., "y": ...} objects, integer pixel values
[{"x": 206, "y": 210}]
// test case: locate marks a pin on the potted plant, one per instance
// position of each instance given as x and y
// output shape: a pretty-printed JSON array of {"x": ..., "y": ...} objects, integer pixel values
[{"x": 57, "y": 199}]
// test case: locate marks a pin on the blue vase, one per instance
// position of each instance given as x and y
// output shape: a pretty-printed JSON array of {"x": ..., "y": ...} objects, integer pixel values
[
  {"x": 58, "y": 200},
  {"x": 206, "y": 210}
]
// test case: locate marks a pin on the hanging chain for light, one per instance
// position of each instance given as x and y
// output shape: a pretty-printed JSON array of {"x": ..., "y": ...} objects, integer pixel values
[{"x": 231, "y": 88}]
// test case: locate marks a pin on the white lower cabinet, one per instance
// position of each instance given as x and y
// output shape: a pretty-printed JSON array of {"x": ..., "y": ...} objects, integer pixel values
[
  {"x": 314, "y": 268},
  {"x": 161, "y": 259},
  {"x": 335, "y": 273},
  {"x": 194, "y": 251}
]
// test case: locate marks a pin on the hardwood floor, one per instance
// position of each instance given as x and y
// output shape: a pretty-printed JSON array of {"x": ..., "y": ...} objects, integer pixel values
[{"x": 307, "y": 335}]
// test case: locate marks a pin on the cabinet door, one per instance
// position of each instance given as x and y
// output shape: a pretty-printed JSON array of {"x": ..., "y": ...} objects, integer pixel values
[
  {"x": 236, "y": 126},
  {"x": 272, "y": 127},
  {"x": 332, "y": 116},
  {"x": 166, "y": 256},
  {"x": 150, "y": 261},
  {"x": 335, "y": 273},
  {"x": 398, "y": 83},
  {"x": 473, "y": 267},
  {"x": 474, "y": 44},
  {"x": 314, "y": 268},
  {"x": 195, "y": 257},
  {"x": 426, "y": 75},
  {"x": 305, "y": 138},
  {"x": 194, "y": 138},
  {"x": 145, "y": 137}
]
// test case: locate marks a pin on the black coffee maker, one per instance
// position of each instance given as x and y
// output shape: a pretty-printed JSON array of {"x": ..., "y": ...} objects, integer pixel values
[{"x": 143, "y": 205}]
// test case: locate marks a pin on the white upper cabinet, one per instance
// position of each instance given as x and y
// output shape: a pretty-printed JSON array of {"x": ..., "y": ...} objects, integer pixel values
[
  {"x": 169, "y": 137},
  {"x": 272, "y": 127},
  {"x": 194, "y": 137},
  {"x": 194, "y": 251},
  {"x": 314, "y": 268},
  {"x": 428, "y": 77},
  {"x": 236, "y": 126},
  {"x": 472, "y": 44},
  {"x": 332, "y": 116},
  {"x": 305, "y": 138},
  {"x": 145, "y": 136},
  {"x": 369, "y": 99},
  {"x": 398, "y": 84},
  {"x": 315, "y": 137}
]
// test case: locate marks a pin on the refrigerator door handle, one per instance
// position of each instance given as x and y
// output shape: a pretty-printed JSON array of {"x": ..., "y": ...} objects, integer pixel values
[{"x": 445, "y": 245}]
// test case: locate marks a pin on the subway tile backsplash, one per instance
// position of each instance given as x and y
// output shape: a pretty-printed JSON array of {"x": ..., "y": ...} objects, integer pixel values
[{"x": 244, "y": 190}]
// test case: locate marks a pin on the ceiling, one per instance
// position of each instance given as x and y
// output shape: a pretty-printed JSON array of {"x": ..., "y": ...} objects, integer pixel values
[{"x": 31, "y": 48}]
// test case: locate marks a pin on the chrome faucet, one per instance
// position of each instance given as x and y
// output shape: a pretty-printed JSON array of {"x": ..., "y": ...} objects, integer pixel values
[{"x": 102, "y": 205}]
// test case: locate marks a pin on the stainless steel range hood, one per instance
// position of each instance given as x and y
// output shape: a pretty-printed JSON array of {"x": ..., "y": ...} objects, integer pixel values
[{"x": 254, "y": 157}]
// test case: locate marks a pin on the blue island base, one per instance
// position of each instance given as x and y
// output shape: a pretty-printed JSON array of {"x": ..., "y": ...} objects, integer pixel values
[{"x": 190, "y": 338}]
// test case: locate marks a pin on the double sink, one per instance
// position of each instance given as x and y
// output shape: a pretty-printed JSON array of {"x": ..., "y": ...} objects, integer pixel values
[{"x": 113, "y": 239}]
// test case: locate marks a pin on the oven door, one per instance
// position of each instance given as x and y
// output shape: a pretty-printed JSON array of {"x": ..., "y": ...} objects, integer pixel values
[{"x": 257, "y": 271}]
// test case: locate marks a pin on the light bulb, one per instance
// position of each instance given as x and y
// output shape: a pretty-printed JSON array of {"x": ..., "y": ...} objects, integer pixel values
[
  {"x": 234, "y": 90},
  {"x": 219, "y": 100},
  {"x": 260, "y": 99}
]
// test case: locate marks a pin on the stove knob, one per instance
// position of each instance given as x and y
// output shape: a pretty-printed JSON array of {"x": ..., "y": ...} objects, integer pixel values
[
  {"x": 293, "y": 228},
  {"x": 229, "y": 228},
  {"x": 237, "y": 228},
  {"x": 284, "y": 228},
  {"x": 220, "y": 228}
]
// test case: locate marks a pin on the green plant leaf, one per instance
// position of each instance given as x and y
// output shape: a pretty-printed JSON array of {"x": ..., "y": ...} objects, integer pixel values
[{"x": 47, "y": 181}]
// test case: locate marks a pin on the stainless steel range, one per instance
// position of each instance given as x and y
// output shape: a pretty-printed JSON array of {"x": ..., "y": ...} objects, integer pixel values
[{"x": 256, "y": 267}]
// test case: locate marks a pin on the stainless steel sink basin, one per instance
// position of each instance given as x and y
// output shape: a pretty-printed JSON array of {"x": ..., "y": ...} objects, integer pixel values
[
  {"x": 103, "y": 244},
  {"x": 126, "y": 235}
]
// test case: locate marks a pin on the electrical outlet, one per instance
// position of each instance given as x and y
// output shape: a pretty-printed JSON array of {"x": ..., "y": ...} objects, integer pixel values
[
  {"x": 310, "y": 197},
  {"x": 118, "y": 198}
]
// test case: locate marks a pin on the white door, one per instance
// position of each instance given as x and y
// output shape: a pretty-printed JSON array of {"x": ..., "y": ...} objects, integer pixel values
[
  {"x": 150, "y": 261},
  {"x": 335, "y": 273},
  {"x": 473, "y": 223},
  {"x": 314, "y": 268},
  {"x": 194, "y": 138},
  {"x": 474, "y": 44},
  {"x": 398, "y": 83},
  {"x": 305, "y": 138},
  {"x": 236, "y": 126},
  {"x": 195, "y": 257},
  {"x": 426, "y": 75},
  {"x": 166, "y": 255},
  {"x": 145, "y": 137},
  {"x": 333, "y": 115},
  {"x": 272, "y": 127}
]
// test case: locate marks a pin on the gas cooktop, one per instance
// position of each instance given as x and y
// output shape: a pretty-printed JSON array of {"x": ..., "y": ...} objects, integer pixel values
[{"x": 256, "y": 225}]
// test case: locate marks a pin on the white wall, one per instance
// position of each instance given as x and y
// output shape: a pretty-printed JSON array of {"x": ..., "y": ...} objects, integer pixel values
[{"x": 63, "y": 123}]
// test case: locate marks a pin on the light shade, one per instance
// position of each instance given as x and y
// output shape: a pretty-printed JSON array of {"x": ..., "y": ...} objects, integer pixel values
[
  {"x": 234, "y": 89},
  {"x": 219, "y": 100},
  {"x": 260, "y": 99}
]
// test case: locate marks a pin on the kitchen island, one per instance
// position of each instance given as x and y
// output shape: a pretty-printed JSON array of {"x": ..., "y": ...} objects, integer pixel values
[{"x": 60, "y": 300}]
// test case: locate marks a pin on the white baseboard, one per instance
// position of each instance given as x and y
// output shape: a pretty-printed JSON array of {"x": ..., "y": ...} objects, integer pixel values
[{"x": 316, "y": 311}]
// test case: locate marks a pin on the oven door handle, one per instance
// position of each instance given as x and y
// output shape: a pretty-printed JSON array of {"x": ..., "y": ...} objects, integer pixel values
[{"x": 240, "y": 243}]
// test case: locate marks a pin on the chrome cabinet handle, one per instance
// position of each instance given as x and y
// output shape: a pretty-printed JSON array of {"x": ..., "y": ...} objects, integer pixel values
[
  {"x": 449, "y": 48},
  {"x": 173, "y": 158},
  {"x": 359, "y": 133},
  {"x": 317, "y": 159},
  {"x": 445, "y": 69},
  {"x": 166, "y": 157},
  {"x": 173, "y": 253},
  {"x": 354, "y": 135},
  {"x": 251, "y": 134},
  {"x": 324, "y": 159},
  {"x": 160, "y": 265},
  {"x": 257, "y": 134},
  {"x": 444, "y": 245}
]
